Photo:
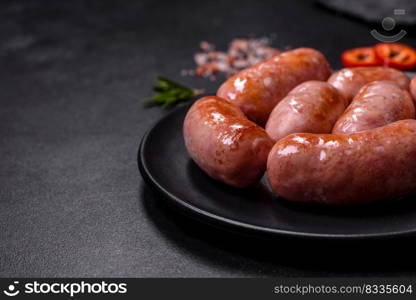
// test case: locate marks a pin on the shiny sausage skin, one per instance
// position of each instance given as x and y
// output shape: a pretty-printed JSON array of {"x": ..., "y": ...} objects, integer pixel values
[
  {"x": 350, "y": 80},
  {"x": 376, "y": 104},
  {"x": 364, "y": 167},
  {"x": 257, "y": 90},
  {"x": 412, "y": 88},
  {"x": 312, "y": 106},
  {"x": 224, "y": 143}
]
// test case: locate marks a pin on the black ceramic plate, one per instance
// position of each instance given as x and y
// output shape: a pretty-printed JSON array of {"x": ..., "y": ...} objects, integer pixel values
[{"x": 165, "y": 165}]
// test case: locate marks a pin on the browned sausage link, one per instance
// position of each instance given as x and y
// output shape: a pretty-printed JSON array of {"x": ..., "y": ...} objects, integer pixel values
[
  {"x": 256, "y": 90},
  {"x": 364, "y": 167},
  {"x": 413, "y": 88},
  {"x": 350, "y": 80},
  {"x": 312, "y": 106},
  {"x": 376, "y": 104},
  {"x": 224, "y": 143}
]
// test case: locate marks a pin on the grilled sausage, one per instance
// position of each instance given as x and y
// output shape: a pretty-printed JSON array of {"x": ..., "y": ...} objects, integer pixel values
[
  {"x": 224, "y": 143},
  {"x": 376, "y": 104},
  {"x": 312, "y": 106},
  {"x": 350, "y": 80},
  {"x": 364, "y": 167},
  {"x": 257, "y": 90}
]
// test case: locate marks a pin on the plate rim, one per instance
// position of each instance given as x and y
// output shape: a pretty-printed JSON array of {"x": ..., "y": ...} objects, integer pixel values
[{"x": 234, "y": 225}]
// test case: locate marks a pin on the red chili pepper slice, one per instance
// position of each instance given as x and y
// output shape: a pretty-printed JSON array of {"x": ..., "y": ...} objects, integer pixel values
[
  {"x": 396, "y": 55},
  {"x": 360, "y": 57}
]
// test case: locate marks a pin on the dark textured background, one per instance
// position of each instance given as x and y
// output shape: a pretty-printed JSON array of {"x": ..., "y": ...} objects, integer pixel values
[{"x": 73, "y": 77}]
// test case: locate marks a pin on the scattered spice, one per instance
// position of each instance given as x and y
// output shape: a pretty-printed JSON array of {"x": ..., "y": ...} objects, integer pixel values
[{"x": 242, "y": 53}]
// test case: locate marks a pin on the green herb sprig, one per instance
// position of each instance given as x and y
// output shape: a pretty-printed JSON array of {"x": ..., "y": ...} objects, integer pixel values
[{"x": 168, "y": 93}]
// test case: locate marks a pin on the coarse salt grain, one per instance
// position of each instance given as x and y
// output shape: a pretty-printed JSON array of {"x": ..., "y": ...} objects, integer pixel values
[{"x": 241, "y": 54}]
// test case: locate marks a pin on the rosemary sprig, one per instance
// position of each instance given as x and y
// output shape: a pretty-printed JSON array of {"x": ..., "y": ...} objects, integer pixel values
[{"x": 168, "y": 92}]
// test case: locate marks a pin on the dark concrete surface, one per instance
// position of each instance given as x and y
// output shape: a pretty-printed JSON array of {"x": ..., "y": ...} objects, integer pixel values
[{"x": 73, "y": 78}]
